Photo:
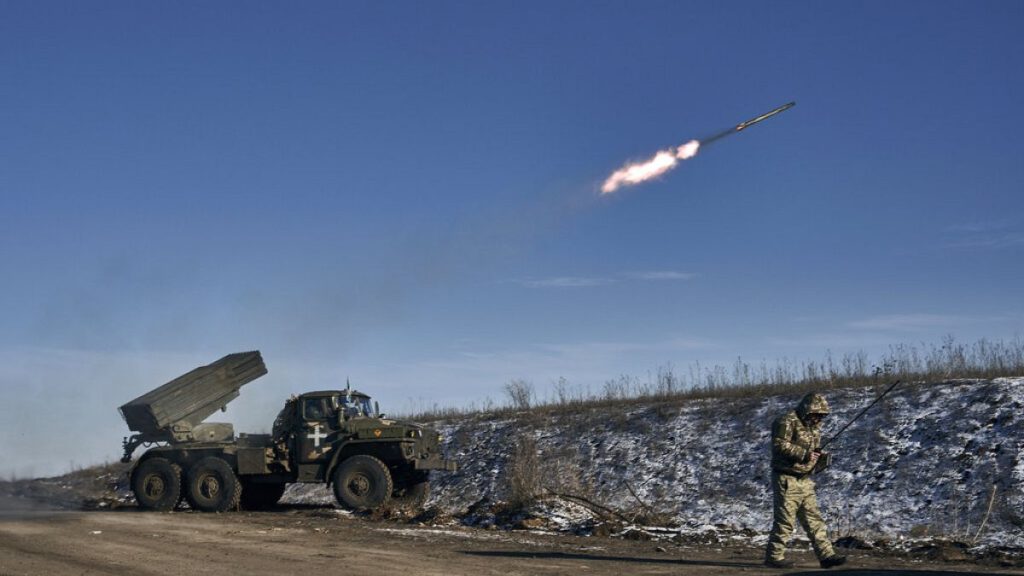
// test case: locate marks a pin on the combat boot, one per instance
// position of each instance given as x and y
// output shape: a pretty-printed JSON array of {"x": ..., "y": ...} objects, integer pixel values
[
  {"x": 832, "y": 561},
  {"x": 773, "y": 563}
]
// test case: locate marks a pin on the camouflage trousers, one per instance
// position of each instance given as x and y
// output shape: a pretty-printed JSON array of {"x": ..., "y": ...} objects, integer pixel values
[{"x": 794, "y": 500}]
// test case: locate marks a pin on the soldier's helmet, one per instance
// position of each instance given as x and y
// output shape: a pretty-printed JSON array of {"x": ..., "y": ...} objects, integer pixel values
[{"x": 813, "y": 403}]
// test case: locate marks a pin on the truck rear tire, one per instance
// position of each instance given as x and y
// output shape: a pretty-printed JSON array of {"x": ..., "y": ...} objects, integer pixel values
[
  {"x": 260, "y": 495},
  {"x": 211, "y": 486},
  {"x": 156, "y": 483},
  {"x": 362, "y": 483}
]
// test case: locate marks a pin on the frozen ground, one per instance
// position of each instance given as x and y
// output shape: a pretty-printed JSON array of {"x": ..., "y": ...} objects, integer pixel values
[{"x": 926, "y": 462}]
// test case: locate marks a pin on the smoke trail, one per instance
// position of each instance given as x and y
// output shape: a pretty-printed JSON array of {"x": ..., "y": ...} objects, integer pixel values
[{"x": 662, "y": 162}]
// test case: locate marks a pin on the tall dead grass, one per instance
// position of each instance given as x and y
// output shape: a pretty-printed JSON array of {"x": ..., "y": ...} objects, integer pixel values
[{"x": 948, "y": 360}]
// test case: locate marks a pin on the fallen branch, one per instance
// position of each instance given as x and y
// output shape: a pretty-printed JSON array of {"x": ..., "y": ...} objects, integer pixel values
[
  {"x": 603, "y": 511},
  {"x": 641, "y": 502},
  {"x": 991, "y": 499}
]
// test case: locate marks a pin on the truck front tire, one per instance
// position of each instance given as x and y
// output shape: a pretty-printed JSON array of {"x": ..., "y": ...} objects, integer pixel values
[
  {"x": 156, "y": 483},
  {"x": 212, "y": 486},
  {"x": 362, "y": 483}
]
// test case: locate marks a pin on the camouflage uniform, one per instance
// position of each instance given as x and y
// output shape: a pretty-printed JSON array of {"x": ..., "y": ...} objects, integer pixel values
[{"x": 793, "y": 441}]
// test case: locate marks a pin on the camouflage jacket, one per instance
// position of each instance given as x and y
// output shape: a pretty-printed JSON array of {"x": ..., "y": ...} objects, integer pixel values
[{"x": 792, "y": 444}]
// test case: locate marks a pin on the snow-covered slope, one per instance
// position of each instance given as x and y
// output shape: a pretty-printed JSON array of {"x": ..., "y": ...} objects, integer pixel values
[{"x": 924, "y": 461}]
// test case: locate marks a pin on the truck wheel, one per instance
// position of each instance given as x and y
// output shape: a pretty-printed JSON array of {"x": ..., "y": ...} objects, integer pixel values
[
  {"x": 259, "y": 495},
  {"x": 211, "y": 486},
  {"x": 156, "y": 483},
  {"x": 362, "y": 483}
]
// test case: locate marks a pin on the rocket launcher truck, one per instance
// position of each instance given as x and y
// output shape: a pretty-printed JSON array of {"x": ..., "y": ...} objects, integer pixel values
[{"x": 336, "y": 437}]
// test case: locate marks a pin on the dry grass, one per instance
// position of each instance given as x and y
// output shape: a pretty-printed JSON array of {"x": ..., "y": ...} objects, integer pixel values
[{"x": 924, "y": 362}]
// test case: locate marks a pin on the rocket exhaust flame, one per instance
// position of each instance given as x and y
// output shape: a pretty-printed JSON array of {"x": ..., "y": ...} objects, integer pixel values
[
  {"x": 665, "y": 160},
  {"x": 638, "y": 172}
]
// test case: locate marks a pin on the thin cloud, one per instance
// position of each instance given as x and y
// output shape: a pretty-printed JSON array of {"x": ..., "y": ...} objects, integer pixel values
[
  {"x": 658, "y": 275},
  {"x": 996, "y": 241},
  {"x": 884, "y": 330},
  {"x": 585, "y": 362},
  {"x": 565, "y": 282},
  {"x": 831, "y": 341},
  {"x": 592, "y": 281},
  {"x": 975, "y": 227},
  {"x": 985, "y": 235},
  {"x": 909, "y": 322},
  {"x": 583, "y": 350}
]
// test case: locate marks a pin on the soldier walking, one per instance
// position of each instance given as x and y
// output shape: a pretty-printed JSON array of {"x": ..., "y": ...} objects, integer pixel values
[{"x": 796, "y": 438}]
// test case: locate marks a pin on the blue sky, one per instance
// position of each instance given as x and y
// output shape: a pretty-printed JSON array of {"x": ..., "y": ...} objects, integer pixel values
[{"x": 406, "y": 194}]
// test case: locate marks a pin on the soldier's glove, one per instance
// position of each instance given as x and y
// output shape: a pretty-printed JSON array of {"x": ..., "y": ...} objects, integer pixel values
[{"x": 824, "y": 461}]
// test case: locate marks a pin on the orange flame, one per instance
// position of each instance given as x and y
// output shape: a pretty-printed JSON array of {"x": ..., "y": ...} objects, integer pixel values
[{"x": 636, "y": 173}]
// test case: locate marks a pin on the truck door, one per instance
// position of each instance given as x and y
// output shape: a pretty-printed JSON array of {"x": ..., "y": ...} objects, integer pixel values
[{"x": 319, "y": 428}]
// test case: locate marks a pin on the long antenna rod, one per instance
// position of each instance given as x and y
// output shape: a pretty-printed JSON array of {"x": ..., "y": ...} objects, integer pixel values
[{"x": 857, "y": 417}]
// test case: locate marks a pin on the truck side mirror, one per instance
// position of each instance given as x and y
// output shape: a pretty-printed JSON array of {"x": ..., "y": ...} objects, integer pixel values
[{"x": 376, "y": 409}]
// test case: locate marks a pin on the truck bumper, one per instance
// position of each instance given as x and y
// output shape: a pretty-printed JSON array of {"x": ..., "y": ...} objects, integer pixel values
[{"x": 435, "y": 463}]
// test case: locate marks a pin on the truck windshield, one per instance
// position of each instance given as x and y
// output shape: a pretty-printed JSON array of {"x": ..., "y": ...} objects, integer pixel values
[{"x": 356, "y": 406}]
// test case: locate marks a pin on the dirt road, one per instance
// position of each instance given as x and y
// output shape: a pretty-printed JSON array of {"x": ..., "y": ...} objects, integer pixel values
[{"x": 325, "y": 541}]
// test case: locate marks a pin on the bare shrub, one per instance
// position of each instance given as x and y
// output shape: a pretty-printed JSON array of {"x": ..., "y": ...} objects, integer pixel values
[
  {"x": 562, "y": 394},
  {"x": 668, "y": 384},
  {"x": 623, "y": 387},
  {"x": 523, "y": 475},
  {"x": 520, "y": 394}
]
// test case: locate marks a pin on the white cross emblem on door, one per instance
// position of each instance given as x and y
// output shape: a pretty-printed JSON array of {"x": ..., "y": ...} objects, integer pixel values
[{"x": 316, "y": 435}]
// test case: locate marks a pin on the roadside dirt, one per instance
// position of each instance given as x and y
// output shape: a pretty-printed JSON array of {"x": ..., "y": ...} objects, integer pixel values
[{"x": 327, "y": 541}]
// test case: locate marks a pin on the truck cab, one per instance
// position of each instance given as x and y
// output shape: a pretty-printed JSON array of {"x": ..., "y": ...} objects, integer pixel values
[{"x": 325, "y": 429}]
